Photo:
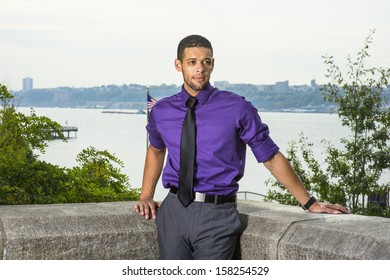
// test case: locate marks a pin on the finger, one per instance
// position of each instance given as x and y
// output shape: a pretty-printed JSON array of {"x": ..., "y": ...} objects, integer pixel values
[
  {"x": 153, "y": 210},
  {"x": 146, "y": 211},
  {"x": 335, "y": 209},
  {"x": 340, "y": 208},
  {"x": 139, "y": 209},
  {"x": 323, "y": 208}
]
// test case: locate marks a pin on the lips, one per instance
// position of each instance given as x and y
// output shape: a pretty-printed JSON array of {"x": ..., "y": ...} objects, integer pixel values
[{"x": 199, "y": 78}]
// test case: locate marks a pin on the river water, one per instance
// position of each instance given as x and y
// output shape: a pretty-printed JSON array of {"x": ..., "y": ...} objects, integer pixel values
[{"x": 125, "y": 136}]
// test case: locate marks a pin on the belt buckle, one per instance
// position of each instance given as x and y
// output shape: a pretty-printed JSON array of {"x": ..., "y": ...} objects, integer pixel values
[{"x": 200, "y": 197}]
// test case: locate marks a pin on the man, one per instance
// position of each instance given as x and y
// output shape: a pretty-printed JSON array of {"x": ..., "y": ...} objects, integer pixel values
[{"x": 206, "y": 225}]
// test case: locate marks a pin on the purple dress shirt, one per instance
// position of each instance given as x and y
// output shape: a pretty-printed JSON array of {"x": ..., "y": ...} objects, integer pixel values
[{"x": 225, "y": 123}]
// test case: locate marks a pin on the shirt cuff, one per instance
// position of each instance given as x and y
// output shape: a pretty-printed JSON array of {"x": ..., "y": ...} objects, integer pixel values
[
  {"x": 265, "y": 150},
  {"x": 156, "y": 143}
]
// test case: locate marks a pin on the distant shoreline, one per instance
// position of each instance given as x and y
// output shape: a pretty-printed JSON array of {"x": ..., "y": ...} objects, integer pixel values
[
  {"x": 143, "y": 112},
  {"x": 138, "y": 112}
]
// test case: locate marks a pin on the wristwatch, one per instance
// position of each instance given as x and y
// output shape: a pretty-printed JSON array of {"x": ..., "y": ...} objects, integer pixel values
[{"x": 309, "y": 203}]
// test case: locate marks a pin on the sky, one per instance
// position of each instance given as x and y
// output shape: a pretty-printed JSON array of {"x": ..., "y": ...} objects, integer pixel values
[{"x": 86, "y": 43}]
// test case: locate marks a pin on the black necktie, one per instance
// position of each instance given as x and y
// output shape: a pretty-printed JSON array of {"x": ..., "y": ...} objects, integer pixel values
[{"x": 185, "y": 192}]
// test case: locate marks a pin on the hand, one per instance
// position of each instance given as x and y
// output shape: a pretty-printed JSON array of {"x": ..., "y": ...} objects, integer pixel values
[
  {"x": 328, "y": 208},
  {"x": 147, "y": 208}
]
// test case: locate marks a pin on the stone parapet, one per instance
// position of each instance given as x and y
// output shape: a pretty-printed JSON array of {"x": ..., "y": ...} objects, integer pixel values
[{"x": 114, "y": 231}]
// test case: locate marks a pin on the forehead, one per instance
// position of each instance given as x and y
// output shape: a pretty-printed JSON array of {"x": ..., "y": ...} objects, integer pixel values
[{"x": 197, "y": 52}]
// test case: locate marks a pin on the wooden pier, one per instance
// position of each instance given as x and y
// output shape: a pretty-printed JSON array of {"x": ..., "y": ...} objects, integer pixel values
[{"x": 67, "y": 130}]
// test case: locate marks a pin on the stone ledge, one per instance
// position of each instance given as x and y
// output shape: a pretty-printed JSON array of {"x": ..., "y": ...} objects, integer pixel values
[
  {"x": 284, "y": 232},
  {"x": 115, "y": 231}
]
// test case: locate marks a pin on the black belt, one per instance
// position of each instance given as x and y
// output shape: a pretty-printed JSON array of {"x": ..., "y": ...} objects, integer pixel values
[{"x": 210, "y": 198}]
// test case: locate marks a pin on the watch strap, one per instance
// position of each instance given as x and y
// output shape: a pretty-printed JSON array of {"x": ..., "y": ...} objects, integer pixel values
[{"x": 309, "y": 203}]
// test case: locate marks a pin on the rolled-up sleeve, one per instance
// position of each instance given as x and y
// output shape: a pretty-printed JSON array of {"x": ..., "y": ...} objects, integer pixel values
[
  {"x": 155, "y": 138},
  {"x": 255, "y": 133}
]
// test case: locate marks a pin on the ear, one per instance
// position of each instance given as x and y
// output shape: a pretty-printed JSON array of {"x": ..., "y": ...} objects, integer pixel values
[{"x": 178, "y": 65}]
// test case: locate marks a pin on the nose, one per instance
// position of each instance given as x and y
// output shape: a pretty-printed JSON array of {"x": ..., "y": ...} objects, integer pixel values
[{"x": 200, "y": 67}]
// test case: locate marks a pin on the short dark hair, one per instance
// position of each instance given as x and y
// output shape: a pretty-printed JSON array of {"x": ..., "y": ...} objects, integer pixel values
[{"x": 192, "y": 41}]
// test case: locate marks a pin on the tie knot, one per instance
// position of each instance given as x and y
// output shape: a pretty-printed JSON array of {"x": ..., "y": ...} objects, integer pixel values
[{"x": 191, "y": 102}]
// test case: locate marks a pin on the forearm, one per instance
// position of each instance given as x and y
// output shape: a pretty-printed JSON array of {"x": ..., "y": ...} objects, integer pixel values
[
  {"x": 281, "y": 169},
  {"x": 153, "y": 166},
  {"x": 285, "y": 174}
]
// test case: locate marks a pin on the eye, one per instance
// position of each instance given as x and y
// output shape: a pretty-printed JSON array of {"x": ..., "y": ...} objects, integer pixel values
[{"x": 207, "y": 62}]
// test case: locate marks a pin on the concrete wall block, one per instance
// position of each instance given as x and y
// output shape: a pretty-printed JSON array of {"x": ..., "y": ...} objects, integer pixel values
[
  {"x": 337, "y": 237},
  {"x": 264, "y": 226},
  {"x": 83, "y": 231}
]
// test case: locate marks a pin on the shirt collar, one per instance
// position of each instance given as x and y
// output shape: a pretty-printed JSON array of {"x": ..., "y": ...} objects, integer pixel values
[{"x": 202, "y": 96}]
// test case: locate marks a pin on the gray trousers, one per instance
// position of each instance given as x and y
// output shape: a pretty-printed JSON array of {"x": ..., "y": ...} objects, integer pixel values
[{"x": 201, "y": 231}]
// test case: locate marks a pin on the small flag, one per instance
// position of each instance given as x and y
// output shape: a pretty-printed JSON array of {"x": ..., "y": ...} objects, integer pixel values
[{"x": 150, "y": 102}]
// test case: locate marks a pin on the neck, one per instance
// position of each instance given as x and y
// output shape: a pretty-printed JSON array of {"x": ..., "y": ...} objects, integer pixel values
[{"x": 190, "y": 90}]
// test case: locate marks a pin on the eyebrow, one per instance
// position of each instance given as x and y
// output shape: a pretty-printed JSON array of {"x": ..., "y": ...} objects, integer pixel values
[{"x": 194, "y": 58}]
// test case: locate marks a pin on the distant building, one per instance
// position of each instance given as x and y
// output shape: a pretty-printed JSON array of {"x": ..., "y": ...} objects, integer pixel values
[
  {"x": 281, "y": 86},
  {"x": 260, "y": 87},
  {"x": 313, "y": 83},
  {"x": 27, "y": 84}
]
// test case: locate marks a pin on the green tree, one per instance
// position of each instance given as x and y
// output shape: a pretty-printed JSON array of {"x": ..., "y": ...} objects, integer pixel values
[
  {"x": 99, "y": 178},
  {"x": 22, "y": 176},
  {"x": 352, "y": 174}
]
